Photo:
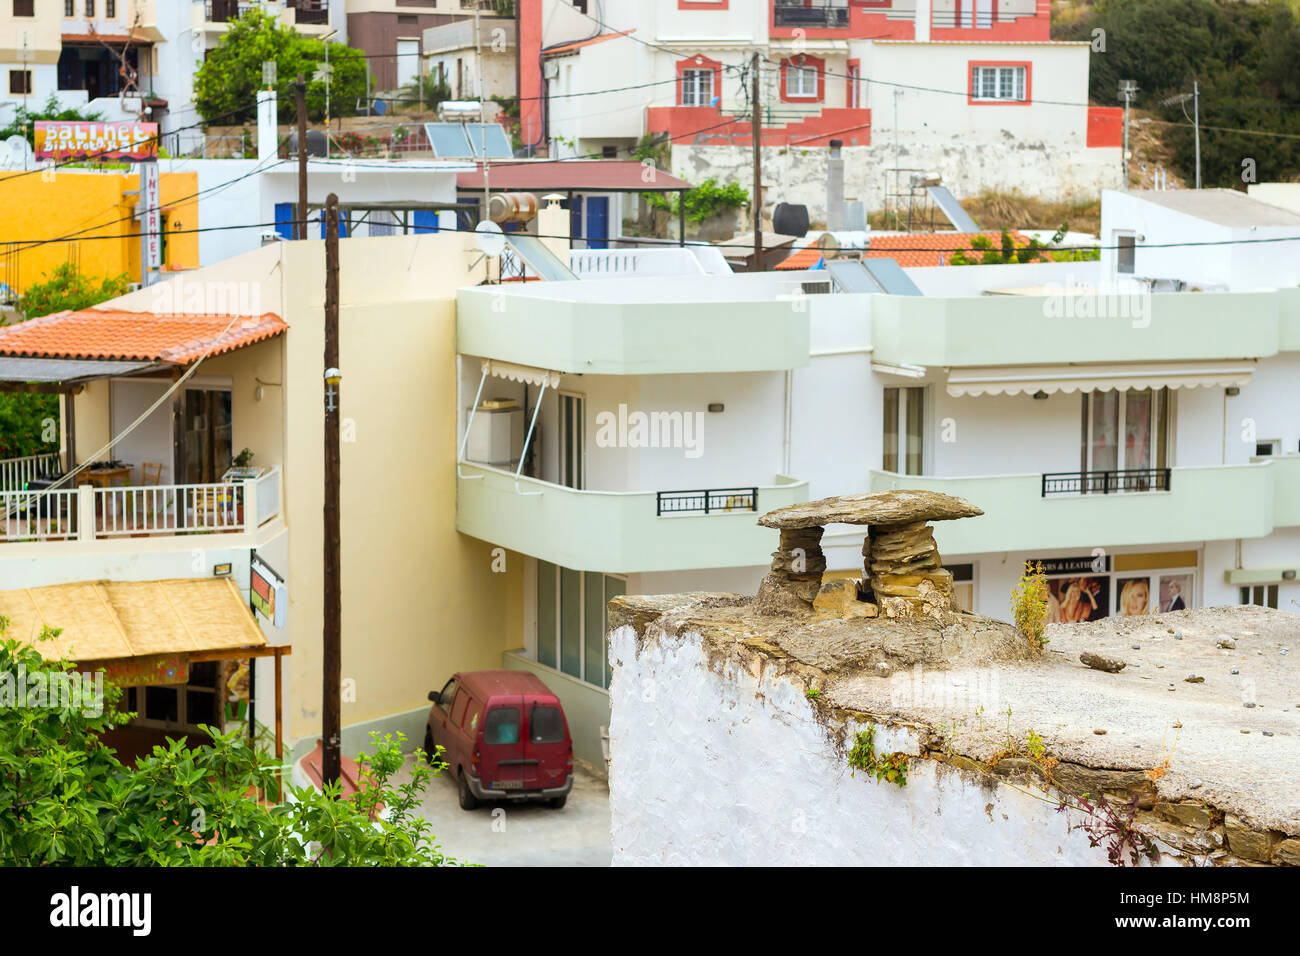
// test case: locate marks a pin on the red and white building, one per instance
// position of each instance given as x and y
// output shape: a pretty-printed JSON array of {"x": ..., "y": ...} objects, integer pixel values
[{"x": 596, "y": 75}]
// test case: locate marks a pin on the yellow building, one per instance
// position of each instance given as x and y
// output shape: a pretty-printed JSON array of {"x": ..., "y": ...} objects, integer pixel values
[
  {"x": 420, "y": 600},
  {"x": 97, "y": 210}
]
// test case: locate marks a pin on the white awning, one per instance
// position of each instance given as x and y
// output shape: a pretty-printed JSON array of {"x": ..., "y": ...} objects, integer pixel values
[
  {"x": 1013, "y": 380},
  {"x": 521, "y": 373}
]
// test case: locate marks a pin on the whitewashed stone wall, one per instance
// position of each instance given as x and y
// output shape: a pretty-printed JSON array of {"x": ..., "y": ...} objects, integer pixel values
[
  {"x": 798, "y": 175},
  {"x": 731, "y": 768}
]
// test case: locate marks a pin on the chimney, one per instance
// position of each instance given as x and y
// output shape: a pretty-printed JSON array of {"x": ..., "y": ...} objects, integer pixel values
[
  {"x": 835, "y": 188},
  {"x": 553, "y": 226},
  {"x": 921, "y": 31},
  {"x": 267, "y": 134}
]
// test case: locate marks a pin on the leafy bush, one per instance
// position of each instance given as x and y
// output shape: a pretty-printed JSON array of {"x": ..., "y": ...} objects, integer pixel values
[
  {"x": 1006, "y": 254},
  {"x": 66, "y": 799},
  {"x": 705, "y": 200},
  {"x": 1029, "y": 603},
  {"x": 225, "y": 84}
]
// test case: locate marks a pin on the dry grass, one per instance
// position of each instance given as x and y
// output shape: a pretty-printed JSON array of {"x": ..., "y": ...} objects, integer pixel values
[{"x": 997, "y": 210}]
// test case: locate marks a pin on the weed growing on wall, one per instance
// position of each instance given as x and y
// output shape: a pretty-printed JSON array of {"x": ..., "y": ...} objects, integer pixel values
[
  {"x": 1029, "y": 604},
  {"x": 891, "y": 768}
]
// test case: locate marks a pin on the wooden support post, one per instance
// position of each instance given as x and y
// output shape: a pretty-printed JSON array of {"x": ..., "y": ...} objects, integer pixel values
[{"x": 331, "y": 687}]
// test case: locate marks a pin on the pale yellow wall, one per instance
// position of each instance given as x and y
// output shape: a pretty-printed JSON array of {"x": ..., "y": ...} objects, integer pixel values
[
  {"x": 419, "y": 600},
  {"x": 37, "y": 207},
  {"x": 44, "y": 34}
]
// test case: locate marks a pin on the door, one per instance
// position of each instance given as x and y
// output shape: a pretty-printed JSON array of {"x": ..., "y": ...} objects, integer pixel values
[
  {"x": 206, "y": 449},
  {"x": 546, "y": 744},
  {"x": 459, "y": 746},
  {"x": 408, "y": 62},
  {"x": 502, "y": 760},
  {"x": 597, "y": 222},
  {"x": 572, "y": 452},
  {"x": 439, "y": 718}
]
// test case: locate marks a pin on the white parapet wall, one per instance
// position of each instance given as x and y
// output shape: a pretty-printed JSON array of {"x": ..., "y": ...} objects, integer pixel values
[
  {"x": 794, "y": 174},
  {"x": 716, "y": 764}
]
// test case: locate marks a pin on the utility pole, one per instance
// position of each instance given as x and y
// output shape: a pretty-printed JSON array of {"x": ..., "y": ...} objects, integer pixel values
[
  {"x": 756, "y": 133},
  {"x": 331, "y": 686},
  {"x": 300, "y": 227},
  {"x": 1196, "y": 121},
  {"x": 1127, "y": 89}
]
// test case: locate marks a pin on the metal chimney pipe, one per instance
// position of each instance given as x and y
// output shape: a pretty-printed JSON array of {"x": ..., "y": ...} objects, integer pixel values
[{"x": 835, "y": 188}]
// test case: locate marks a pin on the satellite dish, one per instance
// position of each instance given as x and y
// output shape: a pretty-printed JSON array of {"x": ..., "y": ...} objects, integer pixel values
[
  {"x": 16, "y": 153},
  {"x": 491, "y": 240}
]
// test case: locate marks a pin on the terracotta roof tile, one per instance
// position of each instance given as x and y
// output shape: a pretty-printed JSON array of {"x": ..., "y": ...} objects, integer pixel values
[
  {"x": 113, "y": 334},
  {"x": 801, "y": 259},
  {"x": 915, "y": 249}
]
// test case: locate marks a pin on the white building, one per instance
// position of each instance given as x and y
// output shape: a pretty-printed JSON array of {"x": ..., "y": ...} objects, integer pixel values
[
  {"x": 938, "y": 86},
  {"x": 1139, "y": 444}
]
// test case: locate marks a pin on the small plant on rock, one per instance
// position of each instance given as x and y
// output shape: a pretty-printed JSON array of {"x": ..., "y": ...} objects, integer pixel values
[
  {"x": 888, "y": 767},
  {"x": 1029, "y": 604}
]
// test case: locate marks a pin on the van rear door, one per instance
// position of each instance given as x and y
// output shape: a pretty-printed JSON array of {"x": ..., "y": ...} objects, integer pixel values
[
  {"x": 502, "y": 743},
  {"x": 546, "y": 749}
]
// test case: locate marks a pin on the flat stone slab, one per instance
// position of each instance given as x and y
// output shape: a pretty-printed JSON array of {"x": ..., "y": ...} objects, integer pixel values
[{"x": 881, "y": 508}]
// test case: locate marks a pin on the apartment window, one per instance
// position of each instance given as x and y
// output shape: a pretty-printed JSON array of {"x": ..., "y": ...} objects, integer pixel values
[
  {"x": 24, "y": 8},
  {"x": 69, "y": 8},
  {"x": 1126, "y": 431},
  {"x": 1125, "y": 254},
  {"x": 571, "y": 620},
  {"x": 999, "y": 83},
  {"x": 697, "y": 87},
  {"x": 580, "y": 5},
  {"x": 1265, "y": 595},
  {"x": 904, "y": 430},
  {"x": 963, "y": 586},
  {"x": 854, "y": 99},
  {"x": 1266, "y": 448},
  {"x": 89, "y": 8},
  {"x": 800, "y": 82},
  {"x": 110, "y": 9},
  {"x": 20, "y": 82}
]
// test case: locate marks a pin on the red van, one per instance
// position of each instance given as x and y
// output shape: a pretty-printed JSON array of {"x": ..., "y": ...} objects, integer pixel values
[{"x": 504, "y": 737}]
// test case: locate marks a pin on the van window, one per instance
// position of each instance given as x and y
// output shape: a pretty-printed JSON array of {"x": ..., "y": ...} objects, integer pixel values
[
  {"x": 501, "y": 726},
  {"x": 472, "y": 716},
  {"x": 545, "y": 725},
  {"x": 458, "y": 706}
]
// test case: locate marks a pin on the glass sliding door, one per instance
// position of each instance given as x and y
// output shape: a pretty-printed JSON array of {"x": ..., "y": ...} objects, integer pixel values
[
  {"x": 904, "y": 430},
  {"x": 206, "y": 449},
  {"x": 572, "y": 418},
  {"x": 1126, "y": 432}
]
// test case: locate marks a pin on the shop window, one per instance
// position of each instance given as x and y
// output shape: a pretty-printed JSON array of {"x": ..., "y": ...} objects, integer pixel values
[
  {"x": 572, "y": 620},
  {"x": 1264, "y": 595},
  {"x": 1126, "y": 432},
  {"x": 904, "y": 422}
]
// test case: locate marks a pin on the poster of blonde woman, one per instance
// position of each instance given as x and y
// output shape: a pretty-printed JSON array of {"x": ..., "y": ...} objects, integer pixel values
[{"x": 1134, "y": 597}]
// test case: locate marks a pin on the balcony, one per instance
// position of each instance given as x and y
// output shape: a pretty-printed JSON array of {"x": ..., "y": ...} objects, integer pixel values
[
  {"x": 87, "y": 515},
  {"x": 1006, "y": 330},
  {"x": 810, "y": 13},
  {"x": 1201, "y": 504},
  {"x": 620, "y": 532},
  {"x": 1106, "y": 482},
  {"x": 638, "y": 326}
]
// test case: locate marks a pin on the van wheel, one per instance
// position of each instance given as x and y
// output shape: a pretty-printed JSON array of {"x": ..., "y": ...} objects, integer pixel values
[
  {"x": 467, "y": 799},
  {"x": 557, "y": 803},
  {"x": 429, "y": 748}
]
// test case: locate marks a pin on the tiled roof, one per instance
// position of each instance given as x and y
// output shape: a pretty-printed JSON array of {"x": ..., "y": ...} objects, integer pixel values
[
  {"x": 930, "y": 248},
  {"x": 802, "y": 259},
  {"x": 112, "y": 334}
]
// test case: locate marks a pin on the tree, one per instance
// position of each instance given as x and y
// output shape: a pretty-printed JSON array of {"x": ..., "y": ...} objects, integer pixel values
[
  {"x": 69, "y": 288},
  {"x": 29, "y": 422},
  {"x": 1007, "y": 253},
  {"x": 225, "y": 86},
  {"x": 1241, "y": 54},
  {"x": 66, "y": 800},
  {"x": 24, "y": 120}
]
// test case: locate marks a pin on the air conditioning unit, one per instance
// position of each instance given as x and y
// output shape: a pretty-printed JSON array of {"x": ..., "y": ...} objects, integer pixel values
[{"x": 497, "y": 435}]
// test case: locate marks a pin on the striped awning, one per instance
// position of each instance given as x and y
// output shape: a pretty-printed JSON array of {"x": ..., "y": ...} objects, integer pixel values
[{"x": 1029, "y": 379}]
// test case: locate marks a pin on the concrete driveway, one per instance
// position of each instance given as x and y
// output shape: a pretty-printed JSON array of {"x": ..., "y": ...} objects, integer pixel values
[{"x": 522, "y": 834}]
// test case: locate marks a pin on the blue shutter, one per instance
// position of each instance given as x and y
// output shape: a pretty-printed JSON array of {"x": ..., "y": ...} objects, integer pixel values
[
  {"x": 284, "y": 213},
  {"x": 426, "y": 220}
]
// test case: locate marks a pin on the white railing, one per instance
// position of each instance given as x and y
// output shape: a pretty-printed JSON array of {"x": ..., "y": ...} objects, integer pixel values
[
  {"x": 169, "y": 509},
  {"x": 268, "y": 496},
  {"x": 16, "y": 472},
  {"x": 39, "y": 515}
]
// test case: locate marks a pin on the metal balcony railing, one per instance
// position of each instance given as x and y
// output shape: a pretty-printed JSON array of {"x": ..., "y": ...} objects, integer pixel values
[
  {"x": 810, "y": 13},
  {"x": 708, "y": 501},
  {"x": 1106, "y": 482}
]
